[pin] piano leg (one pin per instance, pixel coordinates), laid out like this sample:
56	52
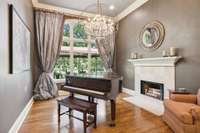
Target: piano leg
71	94
113	113
70	110
90	99
90	116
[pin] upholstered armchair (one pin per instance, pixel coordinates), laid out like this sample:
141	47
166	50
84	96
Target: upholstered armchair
182	112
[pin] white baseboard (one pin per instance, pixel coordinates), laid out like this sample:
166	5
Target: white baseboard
128	91
20	119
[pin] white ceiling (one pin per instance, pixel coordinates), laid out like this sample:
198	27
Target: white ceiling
90	5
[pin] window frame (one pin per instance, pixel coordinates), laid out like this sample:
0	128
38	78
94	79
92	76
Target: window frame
72	51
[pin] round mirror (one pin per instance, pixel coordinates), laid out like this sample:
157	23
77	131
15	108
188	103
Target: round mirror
152	35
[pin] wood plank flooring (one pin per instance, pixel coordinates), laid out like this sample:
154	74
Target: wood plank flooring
130	119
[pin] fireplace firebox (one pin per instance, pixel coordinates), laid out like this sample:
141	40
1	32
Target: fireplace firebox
152	89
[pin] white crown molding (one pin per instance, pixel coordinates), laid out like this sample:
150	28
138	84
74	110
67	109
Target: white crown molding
65	11
20	119
60	9
124	13
135	5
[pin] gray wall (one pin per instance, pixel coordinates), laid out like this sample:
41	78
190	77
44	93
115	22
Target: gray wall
182	23
16	89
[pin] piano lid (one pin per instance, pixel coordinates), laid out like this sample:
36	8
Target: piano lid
105	76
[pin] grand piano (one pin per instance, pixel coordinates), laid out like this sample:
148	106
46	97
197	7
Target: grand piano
105	86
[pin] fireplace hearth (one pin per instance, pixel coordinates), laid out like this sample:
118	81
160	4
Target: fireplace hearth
152	89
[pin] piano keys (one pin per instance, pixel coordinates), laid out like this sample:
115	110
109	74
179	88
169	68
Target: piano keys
106	87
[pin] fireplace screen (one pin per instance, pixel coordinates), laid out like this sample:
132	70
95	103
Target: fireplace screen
152	89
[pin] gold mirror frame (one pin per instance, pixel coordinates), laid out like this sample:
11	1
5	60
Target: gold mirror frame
159	28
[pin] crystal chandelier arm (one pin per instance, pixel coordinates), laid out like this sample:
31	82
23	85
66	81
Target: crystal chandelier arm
98	7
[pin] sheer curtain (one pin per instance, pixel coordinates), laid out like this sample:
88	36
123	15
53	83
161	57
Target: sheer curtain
49	33
106	47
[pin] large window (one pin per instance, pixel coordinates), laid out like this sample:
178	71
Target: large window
79	53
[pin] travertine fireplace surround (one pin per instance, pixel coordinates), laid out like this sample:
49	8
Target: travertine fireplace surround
160	70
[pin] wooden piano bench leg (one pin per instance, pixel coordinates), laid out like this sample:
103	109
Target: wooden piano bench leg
90	115
85	122
95	118
70	112
72	94
58	113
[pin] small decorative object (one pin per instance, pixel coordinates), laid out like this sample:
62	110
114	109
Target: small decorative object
172	51
152	35
182	89
20	39
134	55
164	53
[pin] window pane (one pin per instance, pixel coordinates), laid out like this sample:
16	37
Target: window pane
62	67
96	65
80	44
80	64
66	30
66	44
93	45
79	31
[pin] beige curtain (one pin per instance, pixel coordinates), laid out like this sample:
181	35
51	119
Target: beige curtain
106	47
49	32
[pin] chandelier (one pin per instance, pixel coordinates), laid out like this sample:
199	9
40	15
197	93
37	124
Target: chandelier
99	26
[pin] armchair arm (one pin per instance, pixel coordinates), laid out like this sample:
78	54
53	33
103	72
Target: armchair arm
188	98
195	110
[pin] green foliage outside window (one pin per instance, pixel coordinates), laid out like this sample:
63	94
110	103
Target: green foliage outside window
62	67
80	44
81	65
93	45
66	44
66	30
96	65
79	31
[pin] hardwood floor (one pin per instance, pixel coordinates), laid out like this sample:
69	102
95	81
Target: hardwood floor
130	119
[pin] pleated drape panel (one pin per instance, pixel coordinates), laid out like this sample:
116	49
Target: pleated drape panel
106	47
49	33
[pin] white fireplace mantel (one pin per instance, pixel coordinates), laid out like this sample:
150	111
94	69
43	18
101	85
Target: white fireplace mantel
158	61
158	70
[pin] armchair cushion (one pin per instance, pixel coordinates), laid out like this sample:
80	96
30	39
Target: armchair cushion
184	98
182	111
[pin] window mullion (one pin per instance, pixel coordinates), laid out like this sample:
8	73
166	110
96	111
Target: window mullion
71	48
89	54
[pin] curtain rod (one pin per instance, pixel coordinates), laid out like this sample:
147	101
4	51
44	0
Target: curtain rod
66	15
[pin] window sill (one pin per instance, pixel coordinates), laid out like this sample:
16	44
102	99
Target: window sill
58	81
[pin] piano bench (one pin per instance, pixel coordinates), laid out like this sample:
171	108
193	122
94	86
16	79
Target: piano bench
86	107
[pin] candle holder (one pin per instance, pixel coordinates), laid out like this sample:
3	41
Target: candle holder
172	51
164	53
134	55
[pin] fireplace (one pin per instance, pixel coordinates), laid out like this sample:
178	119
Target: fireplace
152	89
